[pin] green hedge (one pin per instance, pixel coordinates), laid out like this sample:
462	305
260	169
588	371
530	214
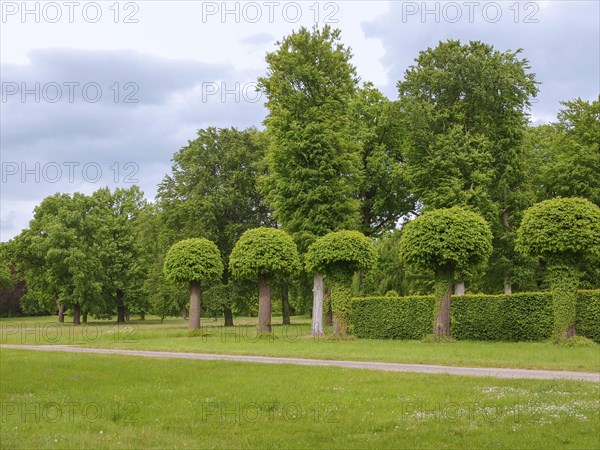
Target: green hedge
518	317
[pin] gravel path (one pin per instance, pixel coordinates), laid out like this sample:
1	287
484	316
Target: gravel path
390	367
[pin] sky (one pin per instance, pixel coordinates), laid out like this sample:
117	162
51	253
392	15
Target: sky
104	93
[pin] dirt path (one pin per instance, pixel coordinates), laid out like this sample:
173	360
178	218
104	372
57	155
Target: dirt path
390	367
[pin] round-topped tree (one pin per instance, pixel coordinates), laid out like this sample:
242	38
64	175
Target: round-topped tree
452	242
564	232
264	254
193	261
339	255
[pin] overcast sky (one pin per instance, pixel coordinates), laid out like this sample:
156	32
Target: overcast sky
103	93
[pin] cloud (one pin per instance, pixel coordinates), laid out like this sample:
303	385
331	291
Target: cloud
80	145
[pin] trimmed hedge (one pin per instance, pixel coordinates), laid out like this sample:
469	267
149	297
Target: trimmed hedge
524	316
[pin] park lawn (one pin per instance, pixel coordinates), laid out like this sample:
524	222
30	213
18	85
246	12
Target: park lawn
52	400
295	341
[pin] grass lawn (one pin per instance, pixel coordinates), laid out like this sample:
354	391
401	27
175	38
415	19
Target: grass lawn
294	341
54	400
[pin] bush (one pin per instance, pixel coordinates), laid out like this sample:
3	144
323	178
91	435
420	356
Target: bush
524	316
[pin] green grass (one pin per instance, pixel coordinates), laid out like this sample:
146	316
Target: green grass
62	401
295	341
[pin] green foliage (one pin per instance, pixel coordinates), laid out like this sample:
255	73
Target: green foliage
266	252
560	229
566	155
6	278
312	160
391	318
391	294
450	241
524	316
195	259
383	192
212	189
341	253
588	314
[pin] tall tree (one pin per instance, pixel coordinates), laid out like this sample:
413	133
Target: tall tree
212	191
383	192
465	111
118	247
313	162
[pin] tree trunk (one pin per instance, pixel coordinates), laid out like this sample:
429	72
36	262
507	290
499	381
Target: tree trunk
317	313
120	307
61	313
459	288
264	306
142	315
195	303
184	312
228	313
127	316
84	317
564	281
76	314
285	304
507	286
441	325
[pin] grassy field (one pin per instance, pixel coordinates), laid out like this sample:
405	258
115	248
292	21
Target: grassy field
96	401
294	341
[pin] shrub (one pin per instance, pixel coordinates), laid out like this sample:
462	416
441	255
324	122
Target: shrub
524	316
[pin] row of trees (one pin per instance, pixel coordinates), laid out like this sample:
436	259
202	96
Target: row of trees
334	155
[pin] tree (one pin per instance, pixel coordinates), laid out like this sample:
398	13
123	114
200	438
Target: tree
313	162
193	261
383	192
58	258
212	192
339	255
264	254
7	281
464	109
567	153
564	232
118	247
452	242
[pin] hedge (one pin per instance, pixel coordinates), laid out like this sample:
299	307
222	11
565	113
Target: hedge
517	317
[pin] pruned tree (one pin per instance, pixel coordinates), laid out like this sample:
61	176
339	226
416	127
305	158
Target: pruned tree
452	242
264	254
194	261
339	255
564	232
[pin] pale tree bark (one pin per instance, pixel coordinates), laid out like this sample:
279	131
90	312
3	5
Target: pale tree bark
195	303
76	314
507	286
264	306
285	304
317	315
459	288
